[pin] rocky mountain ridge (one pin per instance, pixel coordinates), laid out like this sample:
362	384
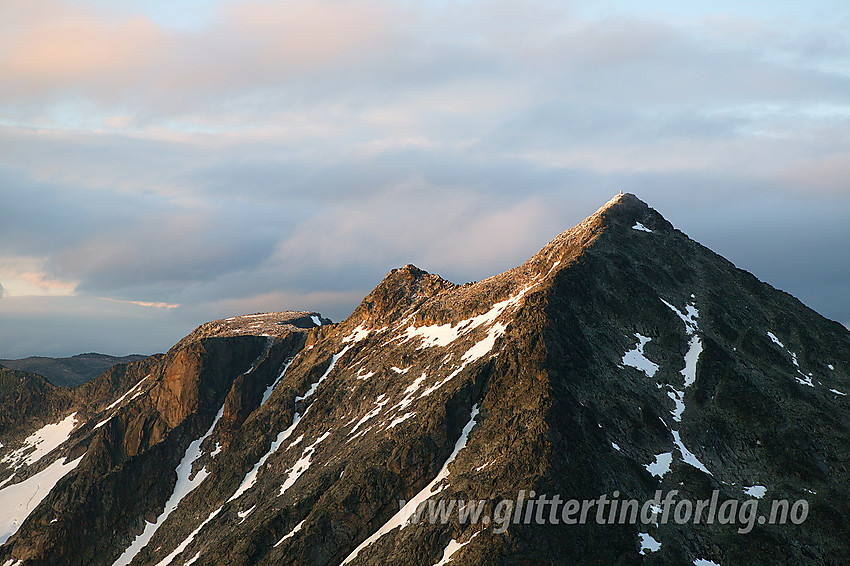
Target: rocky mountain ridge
622	358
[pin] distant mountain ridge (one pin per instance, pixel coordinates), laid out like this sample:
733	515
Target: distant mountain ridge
622	359
72	371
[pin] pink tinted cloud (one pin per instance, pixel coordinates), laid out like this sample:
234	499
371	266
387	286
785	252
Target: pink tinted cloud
70	47
56	48
150	304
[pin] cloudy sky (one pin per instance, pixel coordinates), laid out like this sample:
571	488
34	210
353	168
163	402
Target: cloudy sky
168	162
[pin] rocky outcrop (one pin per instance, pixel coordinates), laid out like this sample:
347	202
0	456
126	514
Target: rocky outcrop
28	400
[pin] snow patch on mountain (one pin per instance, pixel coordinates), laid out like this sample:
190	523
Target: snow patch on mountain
408	393
184	486
103	422
775	340
291	533
635	358
661	464
251	477
444	334
331	367
687	455
678	398
452	548
691	358
483	346
364	374
379	404
400	519
648	544
689	375
296	442
806	379
42	442
19	500
359	333
270	389
133	389
302	464
188	540
479	350
7	480
756	491
401	419
689	316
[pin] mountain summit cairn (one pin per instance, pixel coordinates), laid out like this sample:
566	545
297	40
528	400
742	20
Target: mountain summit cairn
585	407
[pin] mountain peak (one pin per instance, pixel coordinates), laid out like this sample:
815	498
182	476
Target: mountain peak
626	208
623	215
624	200
400	289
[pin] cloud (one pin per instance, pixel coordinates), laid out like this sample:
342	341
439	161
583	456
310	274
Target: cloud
57	45
458	231
278	155
28	276
155	305
112	59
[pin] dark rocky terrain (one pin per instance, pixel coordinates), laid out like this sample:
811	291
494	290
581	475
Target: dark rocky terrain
623	357
70	372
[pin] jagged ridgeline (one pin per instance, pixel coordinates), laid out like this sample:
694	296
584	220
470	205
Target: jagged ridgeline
623	361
